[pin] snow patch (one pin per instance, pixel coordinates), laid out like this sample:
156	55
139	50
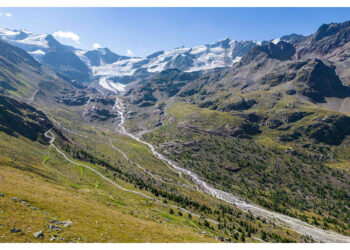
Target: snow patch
82	57
110	85
37	52
275	41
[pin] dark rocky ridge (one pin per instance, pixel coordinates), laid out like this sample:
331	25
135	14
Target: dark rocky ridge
20	118
163	85
104	55
312	77
326	39
281	51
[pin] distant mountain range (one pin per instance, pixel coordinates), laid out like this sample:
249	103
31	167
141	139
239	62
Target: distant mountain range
80	65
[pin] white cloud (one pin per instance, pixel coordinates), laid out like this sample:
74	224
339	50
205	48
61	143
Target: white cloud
8	14
96	46
67	35
129	52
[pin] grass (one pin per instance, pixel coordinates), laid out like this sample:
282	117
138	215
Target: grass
96	209
297	185
100	211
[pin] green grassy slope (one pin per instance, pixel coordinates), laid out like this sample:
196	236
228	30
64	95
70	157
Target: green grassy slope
298	177
34	173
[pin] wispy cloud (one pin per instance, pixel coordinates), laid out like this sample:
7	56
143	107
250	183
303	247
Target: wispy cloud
7	14
67	35
96	46
129	52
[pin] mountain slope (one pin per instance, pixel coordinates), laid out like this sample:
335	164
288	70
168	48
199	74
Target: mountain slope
47	50
18	118
99	57
261	129
40	191
24	78
20	74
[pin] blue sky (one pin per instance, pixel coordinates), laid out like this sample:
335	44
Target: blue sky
142	31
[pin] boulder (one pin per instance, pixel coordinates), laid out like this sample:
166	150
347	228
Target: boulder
15	230
291	92
15	199
66	223
296	116
274	123
39	234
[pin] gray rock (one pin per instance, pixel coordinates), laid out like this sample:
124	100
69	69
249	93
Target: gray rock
291	92
66	223
53	227
2	195
25	203
242	104
39	234
15	199
274	123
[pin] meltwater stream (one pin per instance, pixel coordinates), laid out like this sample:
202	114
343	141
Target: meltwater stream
297	225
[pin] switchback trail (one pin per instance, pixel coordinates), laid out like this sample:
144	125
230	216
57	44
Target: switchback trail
122	153
48	134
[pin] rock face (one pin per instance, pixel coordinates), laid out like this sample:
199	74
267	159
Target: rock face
326	39
312	78
281	51
295	116
75	99
102	56
293	38
331	130
163	85
274	123
65	61
242	104
320	81
20	118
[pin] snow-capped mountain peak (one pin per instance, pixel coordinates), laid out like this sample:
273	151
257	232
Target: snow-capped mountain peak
31	42
99	57
223	53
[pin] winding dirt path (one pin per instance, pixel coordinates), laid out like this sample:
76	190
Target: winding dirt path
48	134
